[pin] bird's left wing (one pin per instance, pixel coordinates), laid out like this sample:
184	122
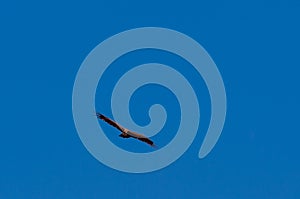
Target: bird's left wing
109	121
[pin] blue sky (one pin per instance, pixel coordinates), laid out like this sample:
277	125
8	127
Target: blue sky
255	45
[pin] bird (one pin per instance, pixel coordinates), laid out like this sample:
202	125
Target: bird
125	132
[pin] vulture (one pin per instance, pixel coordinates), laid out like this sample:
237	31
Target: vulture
125	132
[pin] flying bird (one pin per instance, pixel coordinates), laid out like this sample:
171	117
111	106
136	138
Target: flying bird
125	132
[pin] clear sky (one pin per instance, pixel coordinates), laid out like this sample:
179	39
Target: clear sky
255	46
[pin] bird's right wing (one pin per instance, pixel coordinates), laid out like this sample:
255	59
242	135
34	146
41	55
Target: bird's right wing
147	140
140	137
109	121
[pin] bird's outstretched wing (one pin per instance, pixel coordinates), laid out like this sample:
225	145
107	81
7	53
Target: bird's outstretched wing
109	121
148	141
140	137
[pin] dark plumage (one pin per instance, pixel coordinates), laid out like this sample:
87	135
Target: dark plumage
125	132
